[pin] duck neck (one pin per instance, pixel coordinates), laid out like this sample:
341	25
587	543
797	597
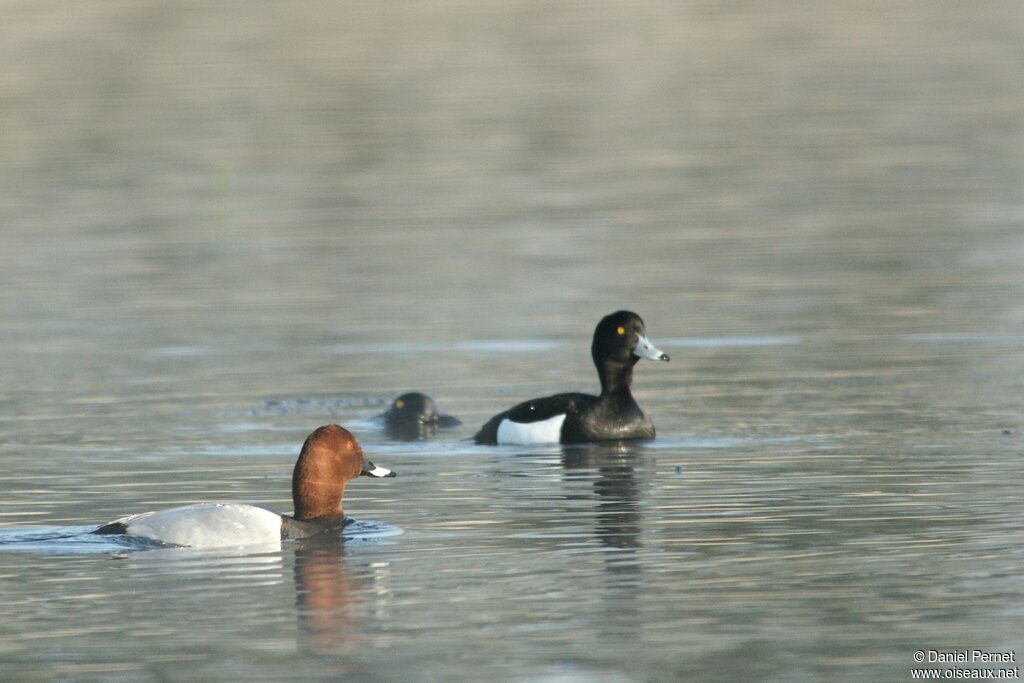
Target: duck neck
616	377
315	500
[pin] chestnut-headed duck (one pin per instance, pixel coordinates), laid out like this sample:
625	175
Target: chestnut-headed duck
413	417
619	342
330	458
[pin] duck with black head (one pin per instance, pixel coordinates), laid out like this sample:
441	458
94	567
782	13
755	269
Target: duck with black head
620	341
413	416
330	458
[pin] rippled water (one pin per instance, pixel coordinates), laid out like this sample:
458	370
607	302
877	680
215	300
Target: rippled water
220	229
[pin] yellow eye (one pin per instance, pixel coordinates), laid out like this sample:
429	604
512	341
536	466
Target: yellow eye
399	404
621	330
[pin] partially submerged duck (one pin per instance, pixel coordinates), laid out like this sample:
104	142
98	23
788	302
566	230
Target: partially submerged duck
413	416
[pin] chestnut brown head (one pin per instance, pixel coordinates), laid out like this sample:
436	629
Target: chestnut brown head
330	458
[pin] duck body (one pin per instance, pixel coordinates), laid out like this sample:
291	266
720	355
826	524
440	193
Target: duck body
215	525
204	525
619	343
330	458
568	418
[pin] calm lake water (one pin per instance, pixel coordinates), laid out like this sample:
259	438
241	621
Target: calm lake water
222	226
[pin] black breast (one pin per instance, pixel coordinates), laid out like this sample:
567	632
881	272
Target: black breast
609	418
292	528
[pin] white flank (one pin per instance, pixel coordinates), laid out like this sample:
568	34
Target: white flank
209	525
530	433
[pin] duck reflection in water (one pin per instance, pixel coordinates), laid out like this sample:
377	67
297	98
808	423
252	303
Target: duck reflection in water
617	487
413	417
618	520
327	598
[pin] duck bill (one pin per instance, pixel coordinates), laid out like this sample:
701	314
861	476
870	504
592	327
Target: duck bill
371	470
645	349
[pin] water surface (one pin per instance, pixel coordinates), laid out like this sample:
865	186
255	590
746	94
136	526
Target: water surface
223	228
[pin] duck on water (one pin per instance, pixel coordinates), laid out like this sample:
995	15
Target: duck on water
620	341
330	458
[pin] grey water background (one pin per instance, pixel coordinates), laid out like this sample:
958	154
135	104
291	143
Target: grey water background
224	224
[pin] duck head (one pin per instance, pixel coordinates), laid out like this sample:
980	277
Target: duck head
620	340
330	458
411	416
